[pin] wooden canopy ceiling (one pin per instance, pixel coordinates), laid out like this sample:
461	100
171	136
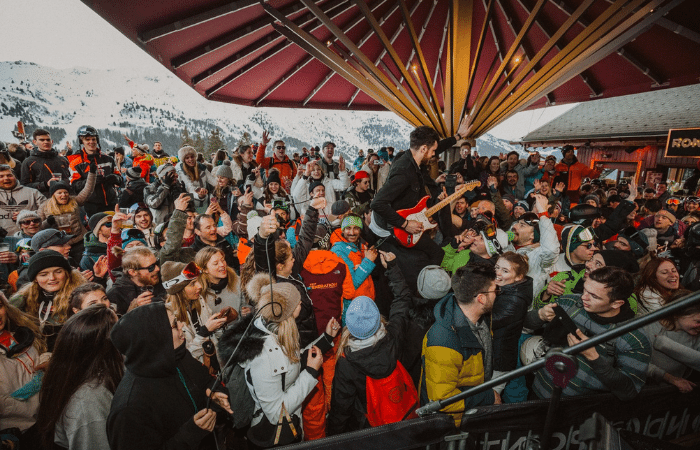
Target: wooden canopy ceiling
428	61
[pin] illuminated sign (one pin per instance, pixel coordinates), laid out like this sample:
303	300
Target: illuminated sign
683	143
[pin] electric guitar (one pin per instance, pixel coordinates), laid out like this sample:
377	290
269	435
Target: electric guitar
422	214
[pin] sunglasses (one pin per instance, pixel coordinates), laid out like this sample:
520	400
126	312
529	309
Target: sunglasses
189	273
590	245
31	221
281	147
150	268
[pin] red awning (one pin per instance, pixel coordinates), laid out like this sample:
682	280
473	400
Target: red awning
278	53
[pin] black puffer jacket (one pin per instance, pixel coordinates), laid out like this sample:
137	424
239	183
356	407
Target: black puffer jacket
162	389
38	168
124	291
306	321
507	319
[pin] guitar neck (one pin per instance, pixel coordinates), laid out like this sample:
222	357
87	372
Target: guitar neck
437	207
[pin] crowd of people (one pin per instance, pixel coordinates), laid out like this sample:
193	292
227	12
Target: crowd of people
257	299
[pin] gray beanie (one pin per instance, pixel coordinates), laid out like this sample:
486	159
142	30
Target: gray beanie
433	282
26	214
224	170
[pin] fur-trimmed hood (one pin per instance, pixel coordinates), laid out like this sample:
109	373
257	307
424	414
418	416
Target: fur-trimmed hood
251	346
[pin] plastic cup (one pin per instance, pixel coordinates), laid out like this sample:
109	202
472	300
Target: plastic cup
128	223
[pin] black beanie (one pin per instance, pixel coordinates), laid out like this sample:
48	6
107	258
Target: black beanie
95	219
313	185
273	177
620	258
56	185
45	259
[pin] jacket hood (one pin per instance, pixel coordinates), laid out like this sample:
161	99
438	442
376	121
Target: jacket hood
46	155
251	346
90	241
144	337
377	361
321	262
445	317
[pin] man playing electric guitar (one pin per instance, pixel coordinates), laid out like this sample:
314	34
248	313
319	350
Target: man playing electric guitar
407	183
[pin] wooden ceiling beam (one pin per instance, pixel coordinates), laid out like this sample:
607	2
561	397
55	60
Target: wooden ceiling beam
307	20
198	19
426	107
306	60
362	41
679	29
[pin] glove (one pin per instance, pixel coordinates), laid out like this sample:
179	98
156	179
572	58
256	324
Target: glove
169	178
51	221
93	167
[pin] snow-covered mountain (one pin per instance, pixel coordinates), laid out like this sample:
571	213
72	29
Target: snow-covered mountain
149	108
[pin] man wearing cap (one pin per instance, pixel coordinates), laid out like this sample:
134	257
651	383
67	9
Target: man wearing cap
95	241
667	227
358	258
359	196
618	366
457	350
330	167
134	187
14	198
44	164
160	195
637	243
534	236
139	283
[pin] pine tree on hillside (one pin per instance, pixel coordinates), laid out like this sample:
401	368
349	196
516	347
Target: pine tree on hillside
198	143
215	142
246	139
185	138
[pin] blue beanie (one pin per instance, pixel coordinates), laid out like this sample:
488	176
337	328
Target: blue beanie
131	235
362	318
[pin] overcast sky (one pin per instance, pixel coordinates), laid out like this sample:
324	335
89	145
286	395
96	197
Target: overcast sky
66	33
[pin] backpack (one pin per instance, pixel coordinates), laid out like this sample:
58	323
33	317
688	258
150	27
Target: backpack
391	399
239	395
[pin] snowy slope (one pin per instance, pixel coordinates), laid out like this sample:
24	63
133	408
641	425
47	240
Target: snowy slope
130	102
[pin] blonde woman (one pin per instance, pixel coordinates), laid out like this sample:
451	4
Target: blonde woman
220	284
18	366
183	287
65	209
273	355
47	295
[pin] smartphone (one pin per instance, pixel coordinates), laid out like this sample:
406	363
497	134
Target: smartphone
214	199
450	183
146	289
248	189
563	318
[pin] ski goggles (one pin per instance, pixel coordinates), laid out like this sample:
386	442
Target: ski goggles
588	234
673	201
189	273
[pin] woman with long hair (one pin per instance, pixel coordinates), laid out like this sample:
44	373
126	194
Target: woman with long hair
272	357
83	373
273	191
21	347
276	256
493	169
47	295
189	307
513	299
675	346
244	164
370	349
65	209
658	281
226	190
220	284
197	178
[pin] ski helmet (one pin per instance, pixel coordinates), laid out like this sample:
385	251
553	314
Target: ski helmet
87	130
